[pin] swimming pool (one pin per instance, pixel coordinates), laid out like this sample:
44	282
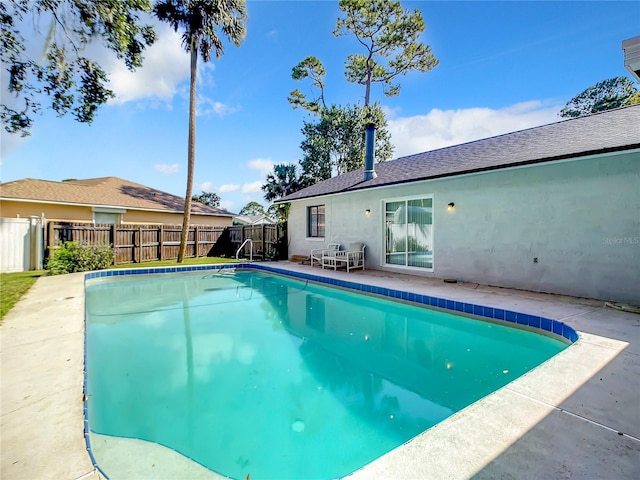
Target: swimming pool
293	382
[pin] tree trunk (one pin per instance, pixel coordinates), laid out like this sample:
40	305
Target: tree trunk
191	158
367	94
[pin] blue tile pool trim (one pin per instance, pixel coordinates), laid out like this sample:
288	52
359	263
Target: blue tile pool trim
517	318
546	325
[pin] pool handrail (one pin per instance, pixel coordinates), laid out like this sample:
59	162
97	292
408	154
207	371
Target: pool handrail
250	250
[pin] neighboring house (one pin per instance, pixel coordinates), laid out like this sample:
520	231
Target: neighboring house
102	200
252	220
554	208
631	48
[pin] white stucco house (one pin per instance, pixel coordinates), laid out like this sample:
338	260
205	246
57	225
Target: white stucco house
554	208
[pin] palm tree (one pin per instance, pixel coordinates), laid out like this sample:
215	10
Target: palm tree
200	21
281	182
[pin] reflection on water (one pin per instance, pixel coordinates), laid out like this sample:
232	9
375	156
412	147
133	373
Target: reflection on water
258	374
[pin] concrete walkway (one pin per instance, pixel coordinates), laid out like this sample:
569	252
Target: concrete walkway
42	357
576	416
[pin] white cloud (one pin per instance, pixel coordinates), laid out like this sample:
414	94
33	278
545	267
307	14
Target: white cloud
263	165
205	73
167	169
163	75
227	205
165	63
253	187
229	187
255	197
204	187
165	66
210	187
9	142
389	112
442	128
207	106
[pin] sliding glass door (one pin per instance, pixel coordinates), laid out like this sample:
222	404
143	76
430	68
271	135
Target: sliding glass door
409	232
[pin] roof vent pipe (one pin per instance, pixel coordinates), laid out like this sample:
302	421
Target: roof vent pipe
369	140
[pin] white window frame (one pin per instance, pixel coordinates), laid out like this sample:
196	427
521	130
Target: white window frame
383	242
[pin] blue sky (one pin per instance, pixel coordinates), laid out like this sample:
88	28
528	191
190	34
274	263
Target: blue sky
504	66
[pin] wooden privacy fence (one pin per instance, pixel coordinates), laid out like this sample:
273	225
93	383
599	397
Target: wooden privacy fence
146	243
263	237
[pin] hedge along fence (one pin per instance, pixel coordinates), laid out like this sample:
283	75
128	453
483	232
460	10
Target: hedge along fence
146	243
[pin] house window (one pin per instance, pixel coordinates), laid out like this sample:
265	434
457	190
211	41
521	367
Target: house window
409	232
108	215
105	217
315	221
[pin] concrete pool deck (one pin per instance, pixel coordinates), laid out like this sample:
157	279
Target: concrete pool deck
577	415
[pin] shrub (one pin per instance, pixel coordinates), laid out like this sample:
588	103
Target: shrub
73	257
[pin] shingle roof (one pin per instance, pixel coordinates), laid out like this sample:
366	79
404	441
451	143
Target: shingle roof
105	191
252	219
610	131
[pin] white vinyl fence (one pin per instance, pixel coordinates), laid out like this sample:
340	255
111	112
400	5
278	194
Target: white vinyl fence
21	244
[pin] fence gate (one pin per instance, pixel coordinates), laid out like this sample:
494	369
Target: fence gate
21	244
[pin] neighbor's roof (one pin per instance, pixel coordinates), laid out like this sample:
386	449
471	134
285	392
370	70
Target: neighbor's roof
252	219
615	130
101	192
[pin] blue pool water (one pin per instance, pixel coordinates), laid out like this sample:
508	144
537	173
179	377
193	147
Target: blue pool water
250	373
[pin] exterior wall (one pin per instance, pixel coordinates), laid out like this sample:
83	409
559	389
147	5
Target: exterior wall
63	213
141	217
73	213
580	219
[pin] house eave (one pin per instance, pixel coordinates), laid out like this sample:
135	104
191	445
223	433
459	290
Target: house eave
631	49
560	158
107	206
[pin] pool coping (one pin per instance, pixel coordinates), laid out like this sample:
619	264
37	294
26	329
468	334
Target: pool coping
537	324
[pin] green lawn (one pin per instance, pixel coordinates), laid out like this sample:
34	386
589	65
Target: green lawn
174	263
13	286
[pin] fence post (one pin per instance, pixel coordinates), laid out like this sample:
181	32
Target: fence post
160	241
35	243
112	242
196	242
50	235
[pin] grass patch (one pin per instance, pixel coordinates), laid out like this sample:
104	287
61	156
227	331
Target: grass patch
13	286
174	263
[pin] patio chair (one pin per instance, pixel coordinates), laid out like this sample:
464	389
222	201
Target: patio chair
318	254
351	259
